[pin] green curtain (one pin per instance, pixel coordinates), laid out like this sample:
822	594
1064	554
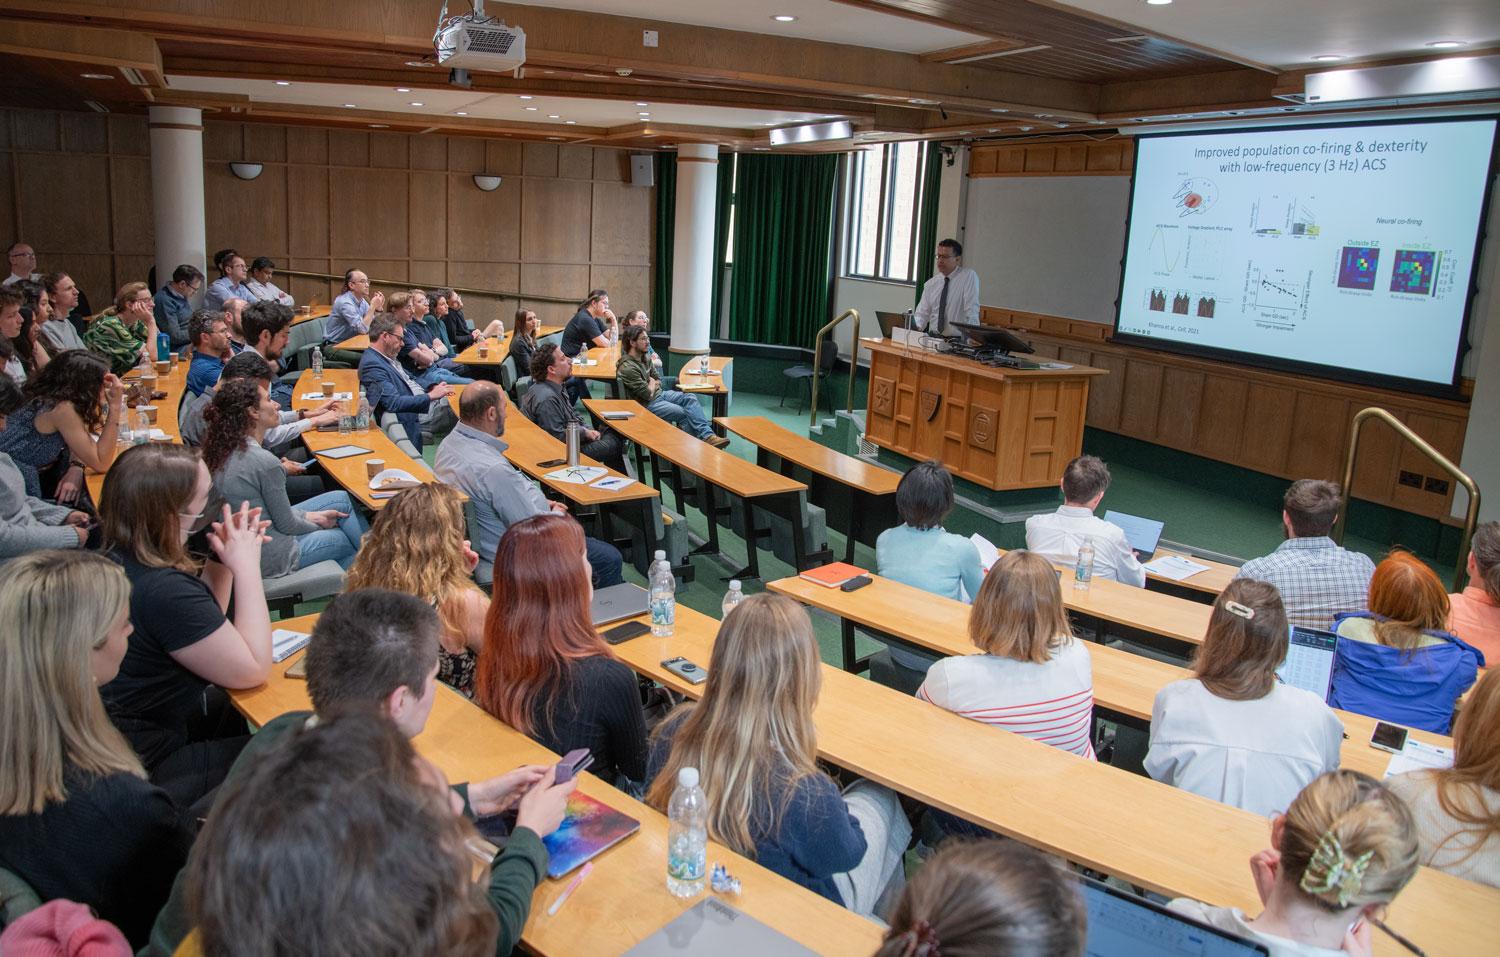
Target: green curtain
932	183
666	237
723	202
783	234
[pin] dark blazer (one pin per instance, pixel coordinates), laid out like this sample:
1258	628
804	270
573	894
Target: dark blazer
388	392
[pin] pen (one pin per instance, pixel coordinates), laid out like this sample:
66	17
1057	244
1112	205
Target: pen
568	891
1380	924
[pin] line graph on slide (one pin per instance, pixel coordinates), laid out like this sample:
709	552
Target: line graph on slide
1165	250
1275	293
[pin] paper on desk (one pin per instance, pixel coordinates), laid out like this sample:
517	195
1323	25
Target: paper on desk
343	396
585	362
312	396
614	483
1418	755
157	435
577	474
988	553
1175	567
285	643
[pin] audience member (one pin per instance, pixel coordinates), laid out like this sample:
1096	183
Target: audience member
472	459
234	313
1475	611
1316	578
208	331
494	330
640	382
78	819
523	340
167	699
993	898
400	305
1395	661
262	289
281	440
417	547
589	326
548	405
754	743
27	347
1233	732
127	335
1341	853
267	327
326	528
638	317
920	553
73	398
1058	536
28	524
390	389
1034	677
544	669
365	847
231	281
448	306
348	316
423	352
173	305
61	329
22	264
11	321
63	927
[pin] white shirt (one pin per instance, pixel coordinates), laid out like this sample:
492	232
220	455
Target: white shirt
1256	755
13	278
963	300
268	291
1233	920
1057	538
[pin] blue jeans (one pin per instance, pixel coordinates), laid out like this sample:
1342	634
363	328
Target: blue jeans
436	373
606	561
282	393
683	411
331	544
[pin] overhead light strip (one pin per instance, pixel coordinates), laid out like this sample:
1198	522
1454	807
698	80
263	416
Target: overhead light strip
998	53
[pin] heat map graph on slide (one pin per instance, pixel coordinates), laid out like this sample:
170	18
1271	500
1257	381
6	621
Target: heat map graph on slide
1357	267
1415	271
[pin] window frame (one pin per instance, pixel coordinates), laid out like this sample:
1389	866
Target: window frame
886	213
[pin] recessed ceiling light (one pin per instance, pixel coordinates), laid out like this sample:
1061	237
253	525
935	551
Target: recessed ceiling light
403	89
348	106
417	103
283	82
643	104
571	122
967	133
109	76
419	63
1061	125
460	113
1446	44
524	96
1327	58
997	109
784	18
762	149
1025	129
554	137
553	116
1158	3
530	109
379	126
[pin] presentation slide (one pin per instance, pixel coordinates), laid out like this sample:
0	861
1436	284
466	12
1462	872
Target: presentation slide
1348	247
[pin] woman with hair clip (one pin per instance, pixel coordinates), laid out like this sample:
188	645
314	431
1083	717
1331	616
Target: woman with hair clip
754	744
1458	808
544	670
70	400
1396	661
990	898
325	527
167	699
1475	611
78	818
1342	851
417	546
1233	732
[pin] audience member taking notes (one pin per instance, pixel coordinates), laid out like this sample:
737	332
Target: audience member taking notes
1475	614
1059	536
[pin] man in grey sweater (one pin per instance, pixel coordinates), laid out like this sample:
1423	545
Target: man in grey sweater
29	524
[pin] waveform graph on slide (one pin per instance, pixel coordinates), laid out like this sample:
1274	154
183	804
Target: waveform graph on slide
1165	250
1357	267
1415	271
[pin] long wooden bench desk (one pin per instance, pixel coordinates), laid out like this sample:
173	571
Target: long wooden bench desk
717	470
1125	684
626	899
174	384
496	350
1150	834
605	364
314	312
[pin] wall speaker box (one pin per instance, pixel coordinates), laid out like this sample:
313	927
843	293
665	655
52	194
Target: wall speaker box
642	169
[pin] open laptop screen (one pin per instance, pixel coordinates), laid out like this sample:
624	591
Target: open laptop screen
1124	925
1143	534
1309	660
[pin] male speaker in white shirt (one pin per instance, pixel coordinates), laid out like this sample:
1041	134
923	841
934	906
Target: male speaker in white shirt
951	295
1058	536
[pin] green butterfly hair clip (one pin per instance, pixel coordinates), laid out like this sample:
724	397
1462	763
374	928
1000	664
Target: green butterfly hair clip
1332	870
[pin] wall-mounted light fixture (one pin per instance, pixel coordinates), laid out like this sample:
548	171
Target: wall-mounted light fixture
487	183
246	170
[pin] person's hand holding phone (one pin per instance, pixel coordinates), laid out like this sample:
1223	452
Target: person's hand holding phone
543	807
500	792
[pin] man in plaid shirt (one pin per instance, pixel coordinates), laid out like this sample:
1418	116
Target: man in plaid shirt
1317	579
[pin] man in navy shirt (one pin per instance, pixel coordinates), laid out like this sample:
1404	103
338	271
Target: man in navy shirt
173	306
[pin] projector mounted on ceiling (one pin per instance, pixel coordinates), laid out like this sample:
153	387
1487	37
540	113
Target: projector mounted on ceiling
478	42
1432	81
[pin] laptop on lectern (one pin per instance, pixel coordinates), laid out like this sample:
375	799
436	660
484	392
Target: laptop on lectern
889	321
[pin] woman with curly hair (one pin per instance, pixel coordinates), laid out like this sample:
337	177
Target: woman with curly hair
326	527
417	546
74	397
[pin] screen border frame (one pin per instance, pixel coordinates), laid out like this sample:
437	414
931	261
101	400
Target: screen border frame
1450	390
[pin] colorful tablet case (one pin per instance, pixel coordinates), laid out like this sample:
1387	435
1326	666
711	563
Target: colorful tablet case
588	829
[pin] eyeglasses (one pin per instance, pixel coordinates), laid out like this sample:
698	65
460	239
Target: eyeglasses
23	255
946	256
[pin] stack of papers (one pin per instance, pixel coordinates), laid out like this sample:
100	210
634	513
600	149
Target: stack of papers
988	553
578	474
286	643
614	483
1416	756
1175	567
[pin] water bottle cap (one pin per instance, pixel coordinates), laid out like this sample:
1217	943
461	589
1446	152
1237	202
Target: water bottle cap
687	778
734	584
660	556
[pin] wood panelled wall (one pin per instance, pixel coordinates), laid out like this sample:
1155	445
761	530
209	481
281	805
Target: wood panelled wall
402	207
1114	157
1286	425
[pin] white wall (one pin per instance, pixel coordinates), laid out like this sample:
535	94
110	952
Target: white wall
868	296
1481	455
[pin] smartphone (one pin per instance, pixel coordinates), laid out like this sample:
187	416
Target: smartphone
552	463
623	633
686	669
855	584
573	764
1388	737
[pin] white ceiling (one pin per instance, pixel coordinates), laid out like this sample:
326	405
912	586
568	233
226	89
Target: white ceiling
493	106
1289	33
821	20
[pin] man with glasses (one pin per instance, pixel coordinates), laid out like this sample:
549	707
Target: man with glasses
173	306
349	317
231	285
128	335
22	264
390	389
209	334
951	295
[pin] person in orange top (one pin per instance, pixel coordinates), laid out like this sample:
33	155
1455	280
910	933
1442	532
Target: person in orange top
1476	610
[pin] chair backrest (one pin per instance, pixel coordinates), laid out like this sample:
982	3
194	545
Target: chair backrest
829	357
508	374
523	385
301	339
17	898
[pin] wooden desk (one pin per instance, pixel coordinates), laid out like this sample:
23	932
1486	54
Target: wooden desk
626	899
716	387
1000	428
1124	684
1150	834
498	350
317	312
1204	586
717	470
858	497
174	384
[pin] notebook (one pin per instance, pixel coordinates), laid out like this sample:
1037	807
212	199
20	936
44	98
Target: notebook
833	574
589	828
617	602
713	927
1124	925
285	643
1309	660
1143	534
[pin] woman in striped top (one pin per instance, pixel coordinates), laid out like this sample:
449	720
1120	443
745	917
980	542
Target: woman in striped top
1034	677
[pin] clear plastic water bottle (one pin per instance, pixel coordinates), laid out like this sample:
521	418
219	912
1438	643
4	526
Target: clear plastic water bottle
362	414
687	836
1083	572
346	423
663	596
317	361
142	433
124	434
732	597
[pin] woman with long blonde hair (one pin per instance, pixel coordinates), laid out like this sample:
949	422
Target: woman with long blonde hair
1458	808
78	818
754	744
417	546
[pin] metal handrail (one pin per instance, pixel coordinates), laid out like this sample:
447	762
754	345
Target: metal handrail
405	284
1460	574
818	360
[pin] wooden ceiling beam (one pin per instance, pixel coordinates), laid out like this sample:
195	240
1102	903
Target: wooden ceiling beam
973	51
89	46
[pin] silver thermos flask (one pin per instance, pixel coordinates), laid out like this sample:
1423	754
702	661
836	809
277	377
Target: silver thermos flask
573	437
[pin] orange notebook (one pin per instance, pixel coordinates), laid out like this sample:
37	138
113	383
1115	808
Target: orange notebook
833	575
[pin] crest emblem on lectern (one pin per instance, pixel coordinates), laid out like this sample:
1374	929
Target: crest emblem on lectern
930	403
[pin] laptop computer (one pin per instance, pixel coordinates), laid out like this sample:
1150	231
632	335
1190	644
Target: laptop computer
889	321
713	927
1124	925
1309	660
617	602
1143	534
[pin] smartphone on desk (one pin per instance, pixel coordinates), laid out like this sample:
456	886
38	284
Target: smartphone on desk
686	670
1388	737
552	464
620	634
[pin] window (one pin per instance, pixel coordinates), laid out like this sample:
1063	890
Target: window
881	206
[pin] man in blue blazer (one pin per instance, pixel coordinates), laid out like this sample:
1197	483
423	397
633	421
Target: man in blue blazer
390	389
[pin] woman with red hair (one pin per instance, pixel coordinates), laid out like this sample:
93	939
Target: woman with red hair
544	670
1395	661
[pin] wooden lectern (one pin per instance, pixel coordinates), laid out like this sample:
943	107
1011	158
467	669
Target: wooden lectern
997	427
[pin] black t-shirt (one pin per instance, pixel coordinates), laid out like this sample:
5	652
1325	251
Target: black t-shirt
580	333
153	697
597	705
